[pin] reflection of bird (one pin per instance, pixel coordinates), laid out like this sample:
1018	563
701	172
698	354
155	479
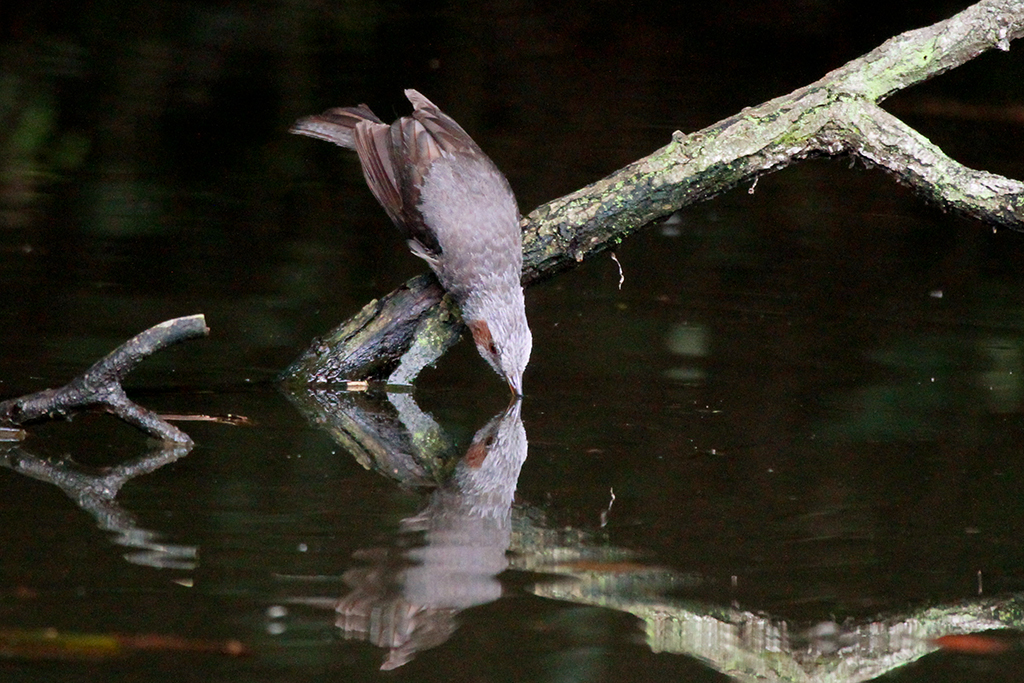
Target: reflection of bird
455	208
448	558
468	525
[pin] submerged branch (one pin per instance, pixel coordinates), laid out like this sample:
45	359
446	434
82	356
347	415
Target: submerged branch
100	385
839	114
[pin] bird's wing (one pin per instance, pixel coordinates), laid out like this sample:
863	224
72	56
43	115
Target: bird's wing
440	127
396	158
373	143
359	128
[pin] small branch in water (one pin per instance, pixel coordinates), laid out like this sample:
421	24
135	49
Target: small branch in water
49	644
100	385
227	419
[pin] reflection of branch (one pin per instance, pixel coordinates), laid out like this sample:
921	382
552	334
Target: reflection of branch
100	385
392	437
838	114
94	491
745	645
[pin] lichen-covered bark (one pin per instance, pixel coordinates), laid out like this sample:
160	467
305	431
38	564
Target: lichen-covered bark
839	114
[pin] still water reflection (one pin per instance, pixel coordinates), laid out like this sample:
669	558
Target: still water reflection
406	597
94	490
446	557
746	498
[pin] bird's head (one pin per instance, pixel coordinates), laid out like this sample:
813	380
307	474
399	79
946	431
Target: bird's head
503	338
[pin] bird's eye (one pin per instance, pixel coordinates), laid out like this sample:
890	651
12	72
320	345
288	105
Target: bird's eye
492	348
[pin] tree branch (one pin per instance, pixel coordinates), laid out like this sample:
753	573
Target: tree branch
100	385
838	114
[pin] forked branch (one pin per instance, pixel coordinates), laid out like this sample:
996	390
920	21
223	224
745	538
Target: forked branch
100	385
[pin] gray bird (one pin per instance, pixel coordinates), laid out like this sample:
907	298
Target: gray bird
456	210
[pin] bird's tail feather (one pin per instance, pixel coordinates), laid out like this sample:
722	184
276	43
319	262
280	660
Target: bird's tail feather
335	125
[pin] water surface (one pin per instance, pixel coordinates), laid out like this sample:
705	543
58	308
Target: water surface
789	439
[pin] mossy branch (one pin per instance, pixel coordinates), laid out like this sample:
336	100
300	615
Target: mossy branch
838	114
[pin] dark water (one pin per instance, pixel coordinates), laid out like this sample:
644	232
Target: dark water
789	443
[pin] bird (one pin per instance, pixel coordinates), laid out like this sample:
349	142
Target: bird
456	210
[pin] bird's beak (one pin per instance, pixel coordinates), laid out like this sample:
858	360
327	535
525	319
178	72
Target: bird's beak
517	392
